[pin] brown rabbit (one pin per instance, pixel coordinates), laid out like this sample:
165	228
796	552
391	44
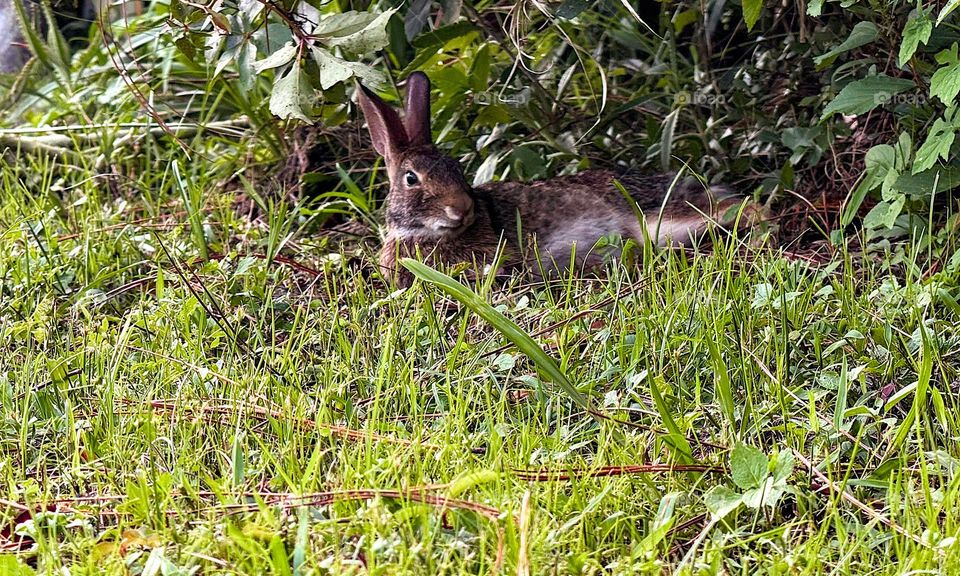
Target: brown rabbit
433	212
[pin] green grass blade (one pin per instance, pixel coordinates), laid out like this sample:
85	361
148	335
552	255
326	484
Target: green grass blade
724	390
675	439
920	395
841	404
544	363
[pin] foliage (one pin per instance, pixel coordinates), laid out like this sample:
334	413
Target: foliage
768	98
197	378
166	413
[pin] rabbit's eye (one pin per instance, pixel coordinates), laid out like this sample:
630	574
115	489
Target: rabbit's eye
410	178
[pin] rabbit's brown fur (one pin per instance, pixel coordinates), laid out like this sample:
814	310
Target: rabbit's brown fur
433	213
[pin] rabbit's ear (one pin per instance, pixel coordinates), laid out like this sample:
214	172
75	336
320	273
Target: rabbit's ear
386	129
416	116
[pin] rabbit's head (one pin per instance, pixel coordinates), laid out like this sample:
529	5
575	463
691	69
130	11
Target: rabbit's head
429	196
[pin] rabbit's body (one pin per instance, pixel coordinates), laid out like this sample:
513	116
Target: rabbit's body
433	213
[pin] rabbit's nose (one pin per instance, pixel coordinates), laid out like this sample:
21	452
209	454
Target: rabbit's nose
454	214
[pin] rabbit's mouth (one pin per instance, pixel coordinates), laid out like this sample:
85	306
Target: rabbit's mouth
451	227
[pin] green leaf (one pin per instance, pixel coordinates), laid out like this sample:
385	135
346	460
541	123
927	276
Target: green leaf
333	70
862	33
721	501
10	565
933	181
884	214
815	8
945	83
783	466
685	18
344	24
766	495
570	9
751	12
936	146
545	364
748	466
947	9
370	38
245	72
916	32
864	95
292	95
441	36
879	161
282	56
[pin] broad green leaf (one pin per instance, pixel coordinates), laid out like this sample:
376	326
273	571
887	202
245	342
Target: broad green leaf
768	494
751	12
721	501
864	95
292	96
486	170
783	466
370	38
342	25
762	295
10	565
279	58
545	364
935	180
936	146
945	83
441	36
815	8
748	466
862	33
333	70
879	161
244	64
916	32
685	18
884	214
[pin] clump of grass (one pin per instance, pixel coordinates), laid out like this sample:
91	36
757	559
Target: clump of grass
272	406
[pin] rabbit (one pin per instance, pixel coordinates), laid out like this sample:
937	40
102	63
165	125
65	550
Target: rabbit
432	212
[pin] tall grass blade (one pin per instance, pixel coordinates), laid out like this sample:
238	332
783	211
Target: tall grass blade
675	439
920	395
544	363
724	389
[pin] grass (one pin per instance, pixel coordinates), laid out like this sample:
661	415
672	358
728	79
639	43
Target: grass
274	408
